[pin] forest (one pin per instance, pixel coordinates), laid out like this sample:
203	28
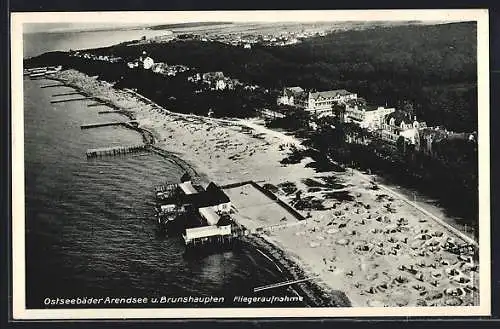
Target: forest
433	67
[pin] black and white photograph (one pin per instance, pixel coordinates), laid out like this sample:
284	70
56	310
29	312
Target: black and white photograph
250	164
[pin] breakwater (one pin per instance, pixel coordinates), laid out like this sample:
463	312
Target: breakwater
107	124
115	150
314	292
70	100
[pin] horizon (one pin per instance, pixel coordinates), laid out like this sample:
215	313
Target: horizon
49	27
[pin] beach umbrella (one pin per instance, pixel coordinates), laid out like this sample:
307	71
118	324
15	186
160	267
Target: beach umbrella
453	301
425	236
342	242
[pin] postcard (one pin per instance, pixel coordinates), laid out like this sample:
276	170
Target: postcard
235	164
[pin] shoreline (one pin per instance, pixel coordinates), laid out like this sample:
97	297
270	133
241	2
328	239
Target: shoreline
315	294
315	244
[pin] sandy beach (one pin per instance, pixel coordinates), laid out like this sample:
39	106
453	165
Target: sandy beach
358	238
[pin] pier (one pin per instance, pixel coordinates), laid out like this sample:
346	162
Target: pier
115	150
70	100
132	124
281	284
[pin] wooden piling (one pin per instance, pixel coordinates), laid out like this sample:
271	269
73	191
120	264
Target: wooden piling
105	124
70	100
67	94
54	85
114	150
95	104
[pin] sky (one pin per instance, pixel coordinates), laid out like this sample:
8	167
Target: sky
65	27
65	21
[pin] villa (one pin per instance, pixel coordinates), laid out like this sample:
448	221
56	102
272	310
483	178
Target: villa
321	102
366	116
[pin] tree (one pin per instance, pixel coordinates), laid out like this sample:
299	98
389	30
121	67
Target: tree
401	144
339	111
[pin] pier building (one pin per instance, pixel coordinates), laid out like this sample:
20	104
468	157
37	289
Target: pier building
200	215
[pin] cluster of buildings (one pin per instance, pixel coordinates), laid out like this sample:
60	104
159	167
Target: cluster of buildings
388	124
207	211
143	62
246	40
169	70
215	80
319	103
102	58
147	63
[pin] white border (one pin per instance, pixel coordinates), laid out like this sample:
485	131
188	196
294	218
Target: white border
18	231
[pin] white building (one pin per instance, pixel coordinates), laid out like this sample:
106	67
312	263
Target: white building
398	124
220	84
290	95
205	232
148	63
369	117
132	65
322	101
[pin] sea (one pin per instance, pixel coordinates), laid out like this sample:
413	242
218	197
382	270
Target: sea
90	224
37	43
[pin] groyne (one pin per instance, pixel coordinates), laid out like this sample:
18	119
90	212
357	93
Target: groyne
70	100
114	150
107	124
315	293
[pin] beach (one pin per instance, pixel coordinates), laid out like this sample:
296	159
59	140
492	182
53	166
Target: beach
357	238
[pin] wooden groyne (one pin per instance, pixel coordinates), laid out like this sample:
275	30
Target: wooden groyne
112	111
281	284
95	104
115	150
129	124
54	85
67	94
70	100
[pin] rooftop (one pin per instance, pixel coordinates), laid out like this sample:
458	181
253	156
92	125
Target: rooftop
330	93
295	89
210	215
187	188
399	116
